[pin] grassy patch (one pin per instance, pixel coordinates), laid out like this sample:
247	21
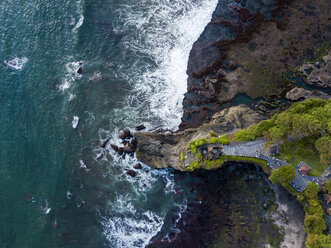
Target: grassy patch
301	150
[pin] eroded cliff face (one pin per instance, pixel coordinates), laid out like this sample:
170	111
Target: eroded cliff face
162	150
248	48
255	50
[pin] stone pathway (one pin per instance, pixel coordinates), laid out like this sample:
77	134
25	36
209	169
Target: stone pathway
256	149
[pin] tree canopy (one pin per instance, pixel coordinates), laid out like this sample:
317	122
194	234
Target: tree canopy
311	118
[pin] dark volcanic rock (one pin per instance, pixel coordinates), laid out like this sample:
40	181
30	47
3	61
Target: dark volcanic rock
131	173
125	134
137	166
133	143
114	147
248	48
141	127
104	143
80	70
128	149
222	211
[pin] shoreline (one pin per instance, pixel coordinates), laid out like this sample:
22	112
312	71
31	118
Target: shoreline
215	81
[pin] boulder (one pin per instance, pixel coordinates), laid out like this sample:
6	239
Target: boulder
104	143
319	73
297	94
131	173
80	70
114	147
140	127
128	149
120	150
125	134
133	143
137	166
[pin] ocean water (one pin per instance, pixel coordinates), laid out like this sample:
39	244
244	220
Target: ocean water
58	188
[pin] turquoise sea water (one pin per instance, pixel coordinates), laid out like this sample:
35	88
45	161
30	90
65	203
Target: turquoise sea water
57	187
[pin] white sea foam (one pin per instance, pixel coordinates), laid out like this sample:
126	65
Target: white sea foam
132	231
75	121
79	23
164	31
16	63
70	76
45	207
80	10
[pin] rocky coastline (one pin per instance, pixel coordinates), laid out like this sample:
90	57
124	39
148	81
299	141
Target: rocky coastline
249	47
249	63
254	59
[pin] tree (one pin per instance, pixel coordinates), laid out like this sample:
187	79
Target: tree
284	175
311	192
315	223
327	186
318	241
323	145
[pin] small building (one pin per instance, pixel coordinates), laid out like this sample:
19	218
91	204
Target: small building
211	151
327	198
304	169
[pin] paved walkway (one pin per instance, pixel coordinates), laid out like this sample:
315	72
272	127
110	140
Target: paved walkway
256	149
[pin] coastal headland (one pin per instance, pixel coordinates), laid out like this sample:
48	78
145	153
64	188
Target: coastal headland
251	63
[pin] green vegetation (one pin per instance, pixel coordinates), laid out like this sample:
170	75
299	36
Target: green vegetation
222	139
327	186
315	221
212	134
321	51
217	163
193	145
318	241
302	150
182	156
284	175
303	131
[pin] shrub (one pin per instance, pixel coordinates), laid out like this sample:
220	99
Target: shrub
318	241
182	156
244	135
195	143
212	134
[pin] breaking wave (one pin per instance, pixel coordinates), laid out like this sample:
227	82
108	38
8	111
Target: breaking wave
159	35
162	33
16	63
